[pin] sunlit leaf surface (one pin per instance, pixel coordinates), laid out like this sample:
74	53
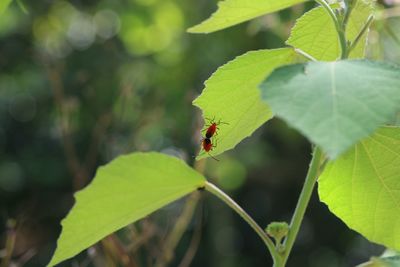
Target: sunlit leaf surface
232	97
315	32
362	187
232	12
123	191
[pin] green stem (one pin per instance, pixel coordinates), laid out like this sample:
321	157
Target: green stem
361	33
304	54
339	27
349	5
302	203
239	210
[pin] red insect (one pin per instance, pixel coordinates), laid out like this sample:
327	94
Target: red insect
211	130
208	146
213	127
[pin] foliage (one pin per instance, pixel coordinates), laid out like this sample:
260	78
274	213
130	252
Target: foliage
125	190
361	187
234	87
334	104
232	12
315	32
136	94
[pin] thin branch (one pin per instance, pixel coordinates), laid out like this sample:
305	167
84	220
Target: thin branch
338	25
349	5
304	54
239	210
361	33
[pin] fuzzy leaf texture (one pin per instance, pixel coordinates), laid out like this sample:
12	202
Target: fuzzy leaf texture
334	104
315	32
362	187
232	12
231	95
122	192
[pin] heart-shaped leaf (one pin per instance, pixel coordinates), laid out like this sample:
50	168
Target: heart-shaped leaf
334	104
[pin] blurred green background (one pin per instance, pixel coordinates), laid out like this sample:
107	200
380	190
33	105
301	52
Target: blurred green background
82	82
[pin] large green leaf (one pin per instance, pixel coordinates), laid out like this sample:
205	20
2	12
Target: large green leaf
315	32
231	95
362	187
334	104
3	5
125	190
232	12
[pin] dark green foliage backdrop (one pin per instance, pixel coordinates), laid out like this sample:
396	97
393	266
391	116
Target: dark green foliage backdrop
84	81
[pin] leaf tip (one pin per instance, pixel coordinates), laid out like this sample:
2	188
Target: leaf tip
195	29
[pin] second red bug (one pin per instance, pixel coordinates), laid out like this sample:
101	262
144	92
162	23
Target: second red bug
208	146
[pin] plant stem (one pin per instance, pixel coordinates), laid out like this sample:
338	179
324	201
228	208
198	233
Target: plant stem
303	201
361	33
339	28
349	5
304	54
239	210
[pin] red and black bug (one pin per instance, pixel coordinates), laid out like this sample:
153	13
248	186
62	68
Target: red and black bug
210	132
208	146
213	127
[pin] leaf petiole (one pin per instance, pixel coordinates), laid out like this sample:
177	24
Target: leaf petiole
242	213
361	33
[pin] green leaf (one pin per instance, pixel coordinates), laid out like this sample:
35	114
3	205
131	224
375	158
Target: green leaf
123	191
334	104
231	95
3	5
232	12
359	16
315	33
393	261
388	261
362	187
